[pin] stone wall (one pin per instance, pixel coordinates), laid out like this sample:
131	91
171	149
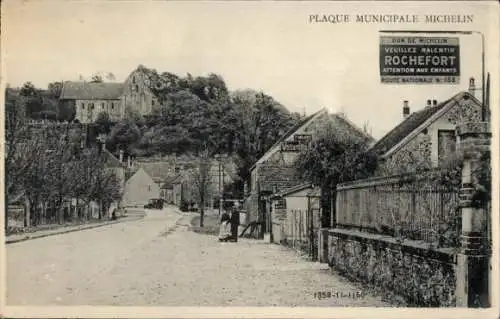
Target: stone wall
87	111
416	155
137	94
409	272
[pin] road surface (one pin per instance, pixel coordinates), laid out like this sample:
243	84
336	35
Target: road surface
158	261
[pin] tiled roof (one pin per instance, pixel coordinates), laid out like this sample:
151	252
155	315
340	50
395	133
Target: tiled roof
91	91
294	189
170	181
159	171
16	197
353	128
290	132
403	129
301	123
111	160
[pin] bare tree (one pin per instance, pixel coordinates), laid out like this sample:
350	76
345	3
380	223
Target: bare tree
24	151
202	182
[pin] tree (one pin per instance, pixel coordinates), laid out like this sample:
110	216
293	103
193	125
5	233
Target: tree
29	90
21	152
58	169
96	78
125	134
66	111
201	180
207	88
259	122
33	99
103	122
106	187
335	156
110	76
55	89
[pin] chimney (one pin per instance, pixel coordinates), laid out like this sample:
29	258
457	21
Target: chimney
434	102
121	156
472	86
406	109
428	103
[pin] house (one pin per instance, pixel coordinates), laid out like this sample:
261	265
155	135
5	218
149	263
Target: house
426	138
118	168
275	170
160	171
139	189
167	189
296	213
174	176
90	99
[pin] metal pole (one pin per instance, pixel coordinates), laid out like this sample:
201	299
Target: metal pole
483	83
220	196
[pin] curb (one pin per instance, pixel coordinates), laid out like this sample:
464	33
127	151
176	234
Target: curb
28	237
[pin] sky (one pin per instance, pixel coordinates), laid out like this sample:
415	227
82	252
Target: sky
268	46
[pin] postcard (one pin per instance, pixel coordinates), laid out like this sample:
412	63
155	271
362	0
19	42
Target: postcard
250	159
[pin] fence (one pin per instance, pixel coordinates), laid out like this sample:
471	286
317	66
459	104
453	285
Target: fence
301	231
50	215
416	206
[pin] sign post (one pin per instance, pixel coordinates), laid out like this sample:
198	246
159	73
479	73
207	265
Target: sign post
419	60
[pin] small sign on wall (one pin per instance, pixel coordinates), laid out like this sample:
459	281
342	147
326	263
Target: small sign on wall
281	204
297	144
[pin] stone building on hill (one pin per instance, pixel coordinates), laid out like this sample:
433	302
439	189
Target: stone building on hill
116	99
90	99
137	95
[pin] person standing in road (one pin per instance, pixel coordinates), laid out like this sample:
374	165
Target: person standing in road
235	221
225	228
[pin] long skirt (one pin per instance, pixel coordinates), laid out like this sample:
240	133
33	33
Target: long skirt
225	231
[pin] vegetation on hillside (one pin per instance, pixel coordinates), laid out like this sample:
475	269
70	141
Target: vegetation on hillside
194	115
198	114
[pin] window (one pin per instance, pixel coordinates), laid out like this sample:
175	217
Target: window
149	188
447	143
83	106
137	88
91	106
102	105
112	105
177	169
280	204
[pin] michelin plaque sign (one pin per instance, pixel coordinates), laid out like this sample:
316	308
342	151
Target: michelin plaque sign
425	60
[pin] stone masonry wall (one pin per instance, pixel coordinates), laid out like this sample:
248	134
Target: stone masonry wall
415	155
404	272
